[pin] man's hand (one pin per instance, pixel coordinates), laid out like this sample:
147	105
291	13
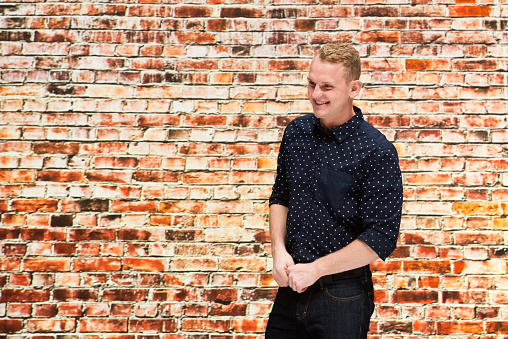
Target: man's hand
302	276
281	262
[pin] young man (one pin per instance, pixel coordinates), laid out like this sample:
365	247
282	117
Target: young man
335	208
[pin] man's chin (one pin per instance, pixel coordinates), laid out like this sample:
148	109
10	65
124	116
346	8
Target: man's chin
319	112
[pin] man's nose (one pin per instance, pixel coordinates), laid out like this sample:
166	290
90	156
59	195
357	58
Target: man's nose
316	93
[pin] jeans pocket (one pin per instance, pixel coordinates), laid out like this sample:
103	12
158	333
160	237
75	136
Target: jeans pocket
345	290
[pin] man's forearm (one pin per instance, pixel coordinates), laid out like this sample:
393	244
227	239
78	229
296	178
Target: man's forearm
354	255
277	222
281	258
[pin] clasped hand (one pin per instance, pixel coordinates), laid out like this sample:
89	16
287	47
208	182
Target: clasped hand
298	277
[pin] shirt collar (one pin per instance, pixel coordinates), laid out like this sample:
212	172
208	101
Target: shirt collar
343	131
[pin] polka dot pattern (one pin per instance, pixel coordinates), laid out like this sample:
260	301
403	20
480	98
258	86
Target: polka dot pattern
339	185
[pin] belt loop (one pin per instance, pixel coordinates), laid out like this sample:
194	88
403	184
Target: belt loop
320	283
367	273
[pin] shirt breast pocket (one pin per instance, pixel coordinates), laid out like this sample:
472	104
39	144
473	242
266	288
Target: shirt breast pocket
333	187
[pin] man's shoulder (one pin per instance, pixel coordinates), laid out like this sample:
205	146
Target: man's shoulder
304	123
375	135
303	120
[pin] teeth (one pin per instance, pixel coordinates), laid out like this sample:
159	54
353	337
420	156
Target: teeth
321	102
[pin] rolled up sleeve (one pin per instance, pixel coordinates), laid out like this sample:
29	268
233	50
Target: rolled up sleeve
280	189
381	204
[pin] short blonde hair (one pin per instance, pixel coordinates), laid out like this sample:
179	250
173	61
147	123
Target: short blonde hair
345	54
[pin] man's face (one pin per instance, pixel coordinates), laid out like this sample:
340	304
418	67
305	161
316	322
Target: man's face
331	96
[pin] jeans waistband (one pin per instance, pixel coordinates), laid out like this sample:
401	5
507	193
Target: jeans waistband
357	272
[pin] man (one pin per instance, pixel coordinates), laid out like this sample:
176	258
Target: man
335	208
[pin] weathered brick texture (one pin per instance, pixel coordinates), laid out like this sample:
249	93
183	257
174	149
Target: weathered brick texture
138	143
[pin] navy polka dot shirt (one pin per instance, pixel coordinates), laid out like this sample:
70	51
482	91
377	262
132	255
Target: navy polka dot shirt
339	185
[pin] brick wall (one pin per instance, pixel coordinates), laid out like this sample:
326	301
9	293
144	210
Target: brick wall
139	142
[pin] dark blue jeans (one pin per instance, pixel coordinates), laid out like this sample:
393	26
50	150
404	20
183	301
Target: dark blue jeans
336	310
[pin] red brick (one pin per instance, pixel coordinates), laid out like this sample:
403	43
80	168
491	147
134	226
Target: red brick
10	133
469	11
50	325
285	65
14	250
471	327
427	64
144	264
104	148
199	38
478	238
124	295
51	265
56	148
373	37
137	234
205	178
181	206
429	179
159	325
279	38
248	325
243	65
8	326
60	176
475	267
27	90
425	297
194	264
155	176
381	11
10	264
427	266
23	295
395	326
91	234
231	310
102	325
201	120
479	208
197	65
240	12
4	205
222	295
308	25
99	264
43	234
217	25
487	313
108	176
20	279
285	12
429	238
498	327
171	295
12	176
19	310
211	325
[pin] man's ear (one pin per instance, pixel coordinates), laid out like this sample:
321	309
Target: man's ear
356	87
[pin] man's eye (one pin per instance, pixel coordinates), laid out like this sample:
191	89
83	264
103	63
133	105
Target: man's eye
311	84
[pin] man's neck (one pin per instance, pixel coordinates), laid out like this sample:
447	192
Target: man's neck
326	124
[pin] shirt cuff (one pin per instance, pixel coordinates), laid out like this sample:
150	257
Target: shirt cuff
379	242
276	201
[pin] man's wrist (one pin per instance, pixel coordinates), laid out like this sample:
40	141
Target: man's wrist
278	249
319	267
